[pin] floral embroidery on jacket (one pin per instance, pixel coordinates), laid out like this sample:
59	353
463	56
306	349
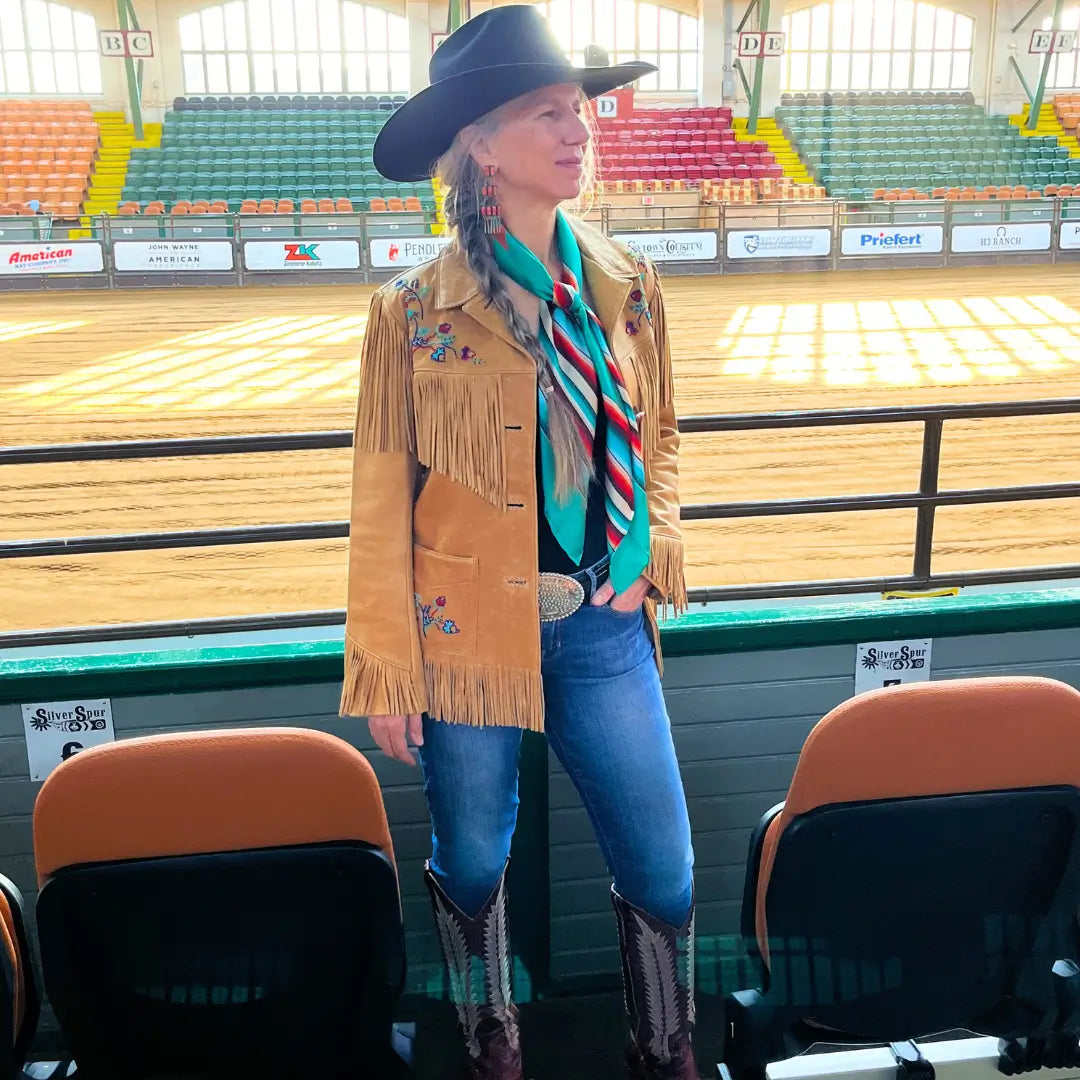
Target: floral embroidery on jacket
431	615
439	341
638	304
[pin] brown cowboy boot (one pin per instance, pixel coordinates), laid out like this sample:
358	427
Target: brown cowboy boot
658	986
477	955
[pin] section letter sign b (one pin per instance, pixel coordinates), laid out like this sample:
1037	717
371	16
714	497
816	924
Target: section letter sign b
111	43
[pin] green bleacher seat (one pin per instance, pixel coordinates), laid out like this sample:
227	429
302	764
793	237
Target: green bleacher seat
859	148
285	153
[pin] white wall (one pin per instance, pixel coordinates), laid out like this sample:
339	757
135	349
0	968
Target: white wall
993	81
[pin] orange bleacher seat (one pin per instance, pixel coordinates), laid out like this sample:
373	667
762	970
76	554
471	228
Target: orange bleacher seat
412	203
345	206
309	206
395	204
180	209
326	206
892	787
234	932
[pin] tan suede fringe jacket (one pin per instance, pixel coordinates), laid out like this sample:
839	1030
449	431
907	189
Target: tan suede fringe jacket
442	610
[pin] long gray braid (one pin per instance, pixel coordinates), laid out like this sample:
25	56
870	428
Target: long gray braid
463	179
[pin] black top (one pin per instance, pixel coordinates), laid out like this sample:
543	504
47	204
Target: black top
552	557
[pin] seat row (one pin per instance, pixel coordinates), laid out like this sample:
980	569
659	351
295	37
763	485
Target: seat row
921	875
385	102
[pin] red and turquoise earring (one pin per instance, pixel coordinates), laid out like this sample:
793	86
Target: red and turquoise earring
490	211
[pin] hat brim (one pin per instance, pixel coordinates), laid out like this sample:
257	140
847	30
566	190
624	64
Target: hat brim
423	129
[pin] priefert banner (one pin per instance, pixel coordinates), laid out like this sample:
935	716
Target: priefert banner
882	240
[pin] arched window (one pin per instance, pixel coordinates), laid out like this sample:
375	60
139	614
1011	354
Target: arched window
876	45
630	30
47	49
1065	67
294	46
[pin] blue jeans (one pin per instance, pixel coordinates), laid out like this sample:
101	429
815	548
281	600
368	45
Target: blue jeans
607	722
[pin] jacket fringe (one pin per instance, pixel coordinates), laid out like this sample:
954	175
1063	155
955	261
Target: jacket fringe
646	369
666	572
484	696
374	686
459	431
384	416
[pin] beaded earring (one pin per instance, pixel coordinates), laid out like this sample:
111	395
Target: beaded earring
490	211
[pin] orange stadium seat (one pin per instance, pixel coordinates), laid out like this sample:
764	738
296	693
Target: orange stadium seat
249	926
969	788
55	143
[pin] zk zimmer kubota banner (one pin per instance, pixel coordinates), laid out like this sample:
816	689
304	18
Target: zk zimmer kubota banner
302	255
67	258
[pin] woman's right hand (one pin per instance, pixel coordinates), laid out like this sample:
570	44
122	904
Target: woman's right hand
390	733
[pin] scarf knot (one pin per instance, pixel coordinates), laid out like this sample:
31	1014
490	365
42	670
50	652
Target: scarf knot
567	298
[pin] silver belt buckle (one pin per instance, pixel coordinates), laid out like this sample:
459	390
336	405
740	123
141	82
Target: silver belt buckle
560	596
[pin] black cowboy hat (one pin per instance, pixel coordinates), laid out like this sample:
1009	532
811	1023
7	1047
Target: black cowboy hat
501	54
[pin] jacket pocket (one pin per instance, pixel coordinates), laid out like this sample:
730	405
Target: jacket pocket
446	594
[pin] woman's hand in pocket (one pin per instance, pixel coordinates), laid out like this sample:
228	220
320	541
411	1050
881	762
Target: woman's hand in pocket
627	601
393	734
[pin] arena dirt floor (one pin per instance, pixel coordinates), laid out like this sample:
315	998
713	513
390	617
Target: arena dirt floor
187	362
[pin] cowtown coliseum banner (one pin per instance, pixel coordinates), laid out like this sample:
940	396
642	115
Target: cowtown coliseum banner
671	246
1001	239
403	252
779	243
174	256
302	254
62	258
892	240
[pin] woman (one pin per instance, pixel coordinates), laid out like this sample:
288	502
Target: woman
515	520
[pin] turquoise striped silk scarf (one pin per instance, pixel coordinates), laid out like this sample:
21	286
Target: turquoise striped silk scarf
587	375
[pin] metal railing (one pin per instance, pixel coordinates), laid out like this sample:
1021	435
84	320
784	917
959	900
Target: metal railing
925	501
232	249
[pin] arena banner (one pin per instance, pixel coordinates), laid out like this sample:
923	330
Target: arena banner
671	246
1070	236
880	240
1000	239
60	258
405	251
174	256
779	243
302	254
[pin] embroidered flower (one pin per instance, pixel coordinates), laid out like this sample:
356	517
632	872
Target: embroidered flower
440	341
631	327
638	304
430	615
